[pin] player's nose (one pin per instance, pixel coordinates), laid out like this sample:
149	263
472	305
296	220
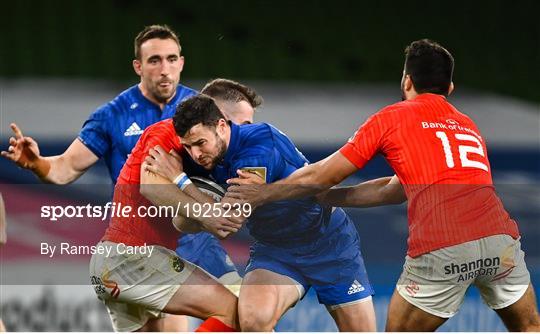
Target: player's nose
196	153
165	68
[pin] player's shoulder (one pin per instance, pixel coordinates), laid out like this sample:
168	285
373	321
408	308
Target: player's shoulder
395	108
161	133
129	99
254	131
253	139
262	132
162	128
126	100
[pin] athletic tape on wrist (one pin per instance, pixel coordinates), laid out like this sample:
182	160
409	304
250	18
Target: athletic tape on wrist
182	181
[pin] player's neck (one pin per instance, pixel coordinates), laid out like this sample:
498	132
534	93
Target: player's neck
151	98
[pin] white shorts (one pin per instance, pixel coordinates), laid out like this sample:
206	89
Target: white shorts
136	288
436	282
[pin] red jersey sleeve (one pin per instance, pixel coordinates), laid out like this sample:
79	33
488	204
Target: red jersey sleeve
365	142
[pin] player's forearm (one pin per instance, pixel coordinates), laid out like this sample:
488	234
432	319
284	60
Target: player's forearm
185	225
56	169
167	195
304	182
367	194
161	192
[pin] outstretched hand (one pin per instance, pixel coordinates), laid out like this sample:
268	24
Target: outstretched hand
24	151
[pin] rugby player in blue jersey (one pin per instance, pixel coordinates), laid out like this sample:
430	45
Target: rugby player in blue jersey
299	244
113	129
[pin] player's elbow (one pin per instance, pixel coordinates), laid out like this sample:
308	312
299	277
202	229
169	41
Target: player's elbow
393	198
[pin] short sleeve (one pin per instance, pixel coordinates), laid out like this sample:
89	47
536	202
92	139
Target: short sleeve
365	142
95	132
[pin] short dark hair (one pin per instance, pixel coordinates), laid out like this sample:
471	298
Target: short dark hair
430	66
232	91
196	109
154	31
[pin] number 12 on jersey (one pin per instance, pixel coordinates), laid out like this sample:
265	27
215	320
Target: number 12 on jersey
463	150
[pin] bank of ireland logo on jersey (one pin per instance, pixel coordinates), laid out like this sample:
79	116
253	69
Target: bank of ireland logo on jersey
355	288
133	130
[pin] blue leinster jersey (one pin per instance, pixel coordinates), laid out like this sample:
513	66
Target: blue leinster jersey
113	129
264	148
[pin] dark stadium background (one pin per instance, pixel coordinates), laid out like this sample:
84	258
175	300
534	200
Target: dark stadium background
82	49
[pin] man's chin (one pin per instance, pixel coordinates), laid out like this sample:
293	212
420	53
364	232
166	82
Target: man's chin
165	94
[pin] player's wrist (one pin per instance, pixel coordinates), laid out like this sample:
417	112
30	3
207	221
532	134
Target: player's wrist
41	168
182	181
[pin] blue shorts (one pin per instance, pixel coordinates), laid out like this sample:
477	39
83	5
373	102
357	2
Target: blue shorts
332	265
205	250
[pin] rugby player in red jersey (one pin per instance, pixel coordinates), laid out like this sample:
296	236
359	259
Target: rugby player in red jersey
459	232
137	289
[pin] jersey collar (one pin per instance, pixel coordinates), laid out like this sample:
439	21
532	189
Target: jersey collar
430	96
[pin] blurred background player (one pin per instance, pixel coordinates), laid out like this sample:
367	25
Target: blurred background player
297	242
459	232
112	131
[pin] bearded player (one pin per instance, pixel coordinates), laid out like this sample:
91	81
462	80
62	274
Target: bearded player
113	129
299	244
459	233
136	297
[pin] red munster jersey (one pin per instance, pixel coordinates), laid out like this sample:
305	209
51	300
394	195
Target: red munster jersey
441	160
136	230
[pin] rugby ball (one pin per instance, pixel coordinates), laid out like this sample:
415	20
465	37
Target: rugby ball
209	187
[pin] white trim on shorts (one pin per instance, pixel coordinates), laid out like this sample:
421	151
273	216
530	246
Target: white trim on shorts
427	310
299	288
510	302
338	306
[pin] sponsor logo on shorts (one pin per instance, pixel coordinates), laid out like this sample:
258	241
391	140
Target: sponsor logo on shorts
472	269
110	284
412	288
177	264
99	287
355	288
507	260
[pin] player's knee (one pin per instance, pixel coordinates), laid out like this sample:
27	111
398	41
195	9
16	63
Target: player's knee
256	319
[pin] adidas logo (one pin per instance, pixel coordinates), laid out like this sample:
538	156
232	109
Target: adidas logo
355	288
133	130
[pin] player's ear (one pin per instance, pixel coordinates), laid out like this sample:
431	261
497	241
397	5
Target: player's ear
450	88
221	125
407	83
137	66
181	62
